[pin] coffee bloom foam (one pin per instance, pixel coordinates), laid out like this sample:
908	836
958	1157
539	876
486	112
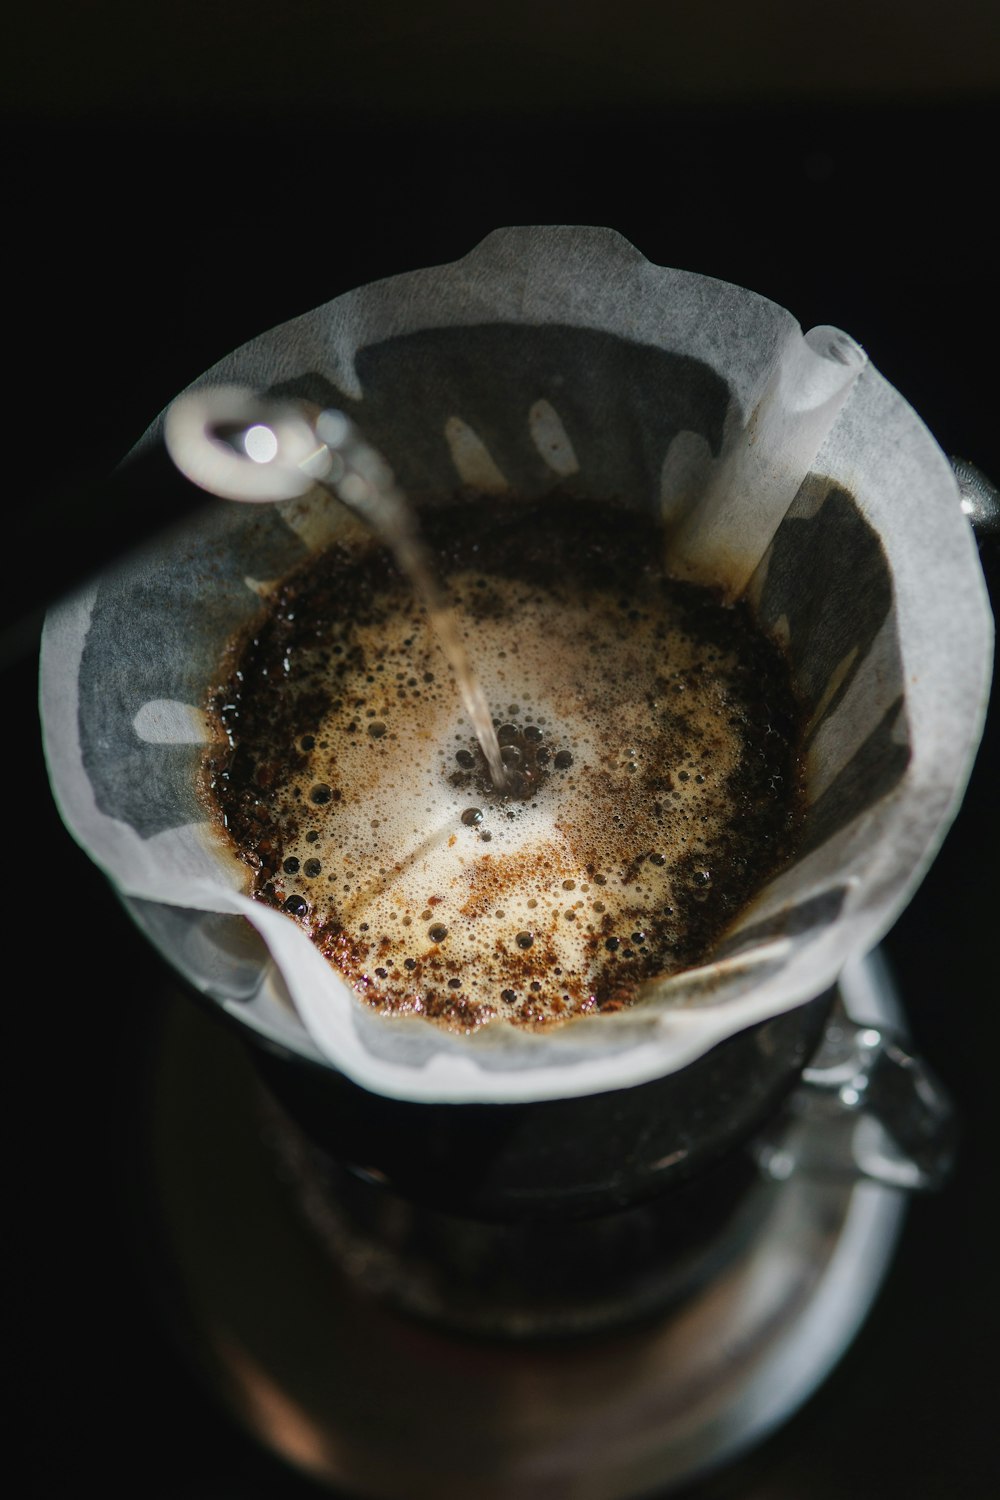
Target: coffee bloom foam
620	861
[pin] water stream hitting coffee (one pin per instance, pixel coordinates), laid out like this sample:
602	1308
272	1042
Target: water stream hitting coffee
367	485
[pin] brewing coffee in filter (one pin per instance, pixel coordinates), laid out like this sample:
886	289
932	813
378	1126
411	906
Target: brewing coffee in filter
695	400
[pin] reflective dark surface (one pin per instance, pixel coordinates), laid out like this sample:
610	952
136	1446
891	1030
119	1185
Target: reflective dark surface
141	256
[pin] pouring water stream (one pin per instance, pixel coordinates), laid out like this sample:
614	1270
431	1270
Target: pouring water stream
240	448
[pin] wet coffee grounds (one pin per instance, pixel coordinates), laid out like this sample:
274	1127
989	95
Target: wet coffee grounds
650	732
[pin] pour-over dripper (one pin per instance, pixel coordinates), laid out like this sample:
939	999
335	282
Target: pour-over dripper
464	373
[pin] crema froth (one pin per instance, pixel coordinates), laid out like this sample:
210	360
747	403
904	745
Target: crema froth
649	732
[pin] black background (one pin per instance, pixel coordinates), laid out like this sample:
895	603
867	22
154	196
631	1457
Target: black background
176	186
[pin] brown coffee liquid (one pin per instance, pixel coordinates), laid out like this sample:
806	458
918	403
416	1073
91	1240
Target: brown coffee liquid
649	733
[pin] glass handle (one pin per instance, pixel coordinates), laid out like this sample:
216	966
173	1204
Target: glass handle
866	1107
980	498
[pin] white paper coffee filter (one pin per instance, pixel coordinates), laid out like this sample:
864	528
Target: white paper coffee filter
646	384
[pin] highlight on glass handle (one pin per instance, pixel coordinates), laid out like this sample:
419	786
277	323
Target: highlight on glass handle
866	1108
980	498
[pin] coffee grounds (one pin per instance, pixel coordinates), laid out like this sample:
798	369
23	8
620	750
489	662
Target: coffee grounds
650	732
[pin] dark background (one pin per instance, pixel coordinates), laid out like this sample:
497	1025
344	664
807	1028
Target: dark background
179	178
